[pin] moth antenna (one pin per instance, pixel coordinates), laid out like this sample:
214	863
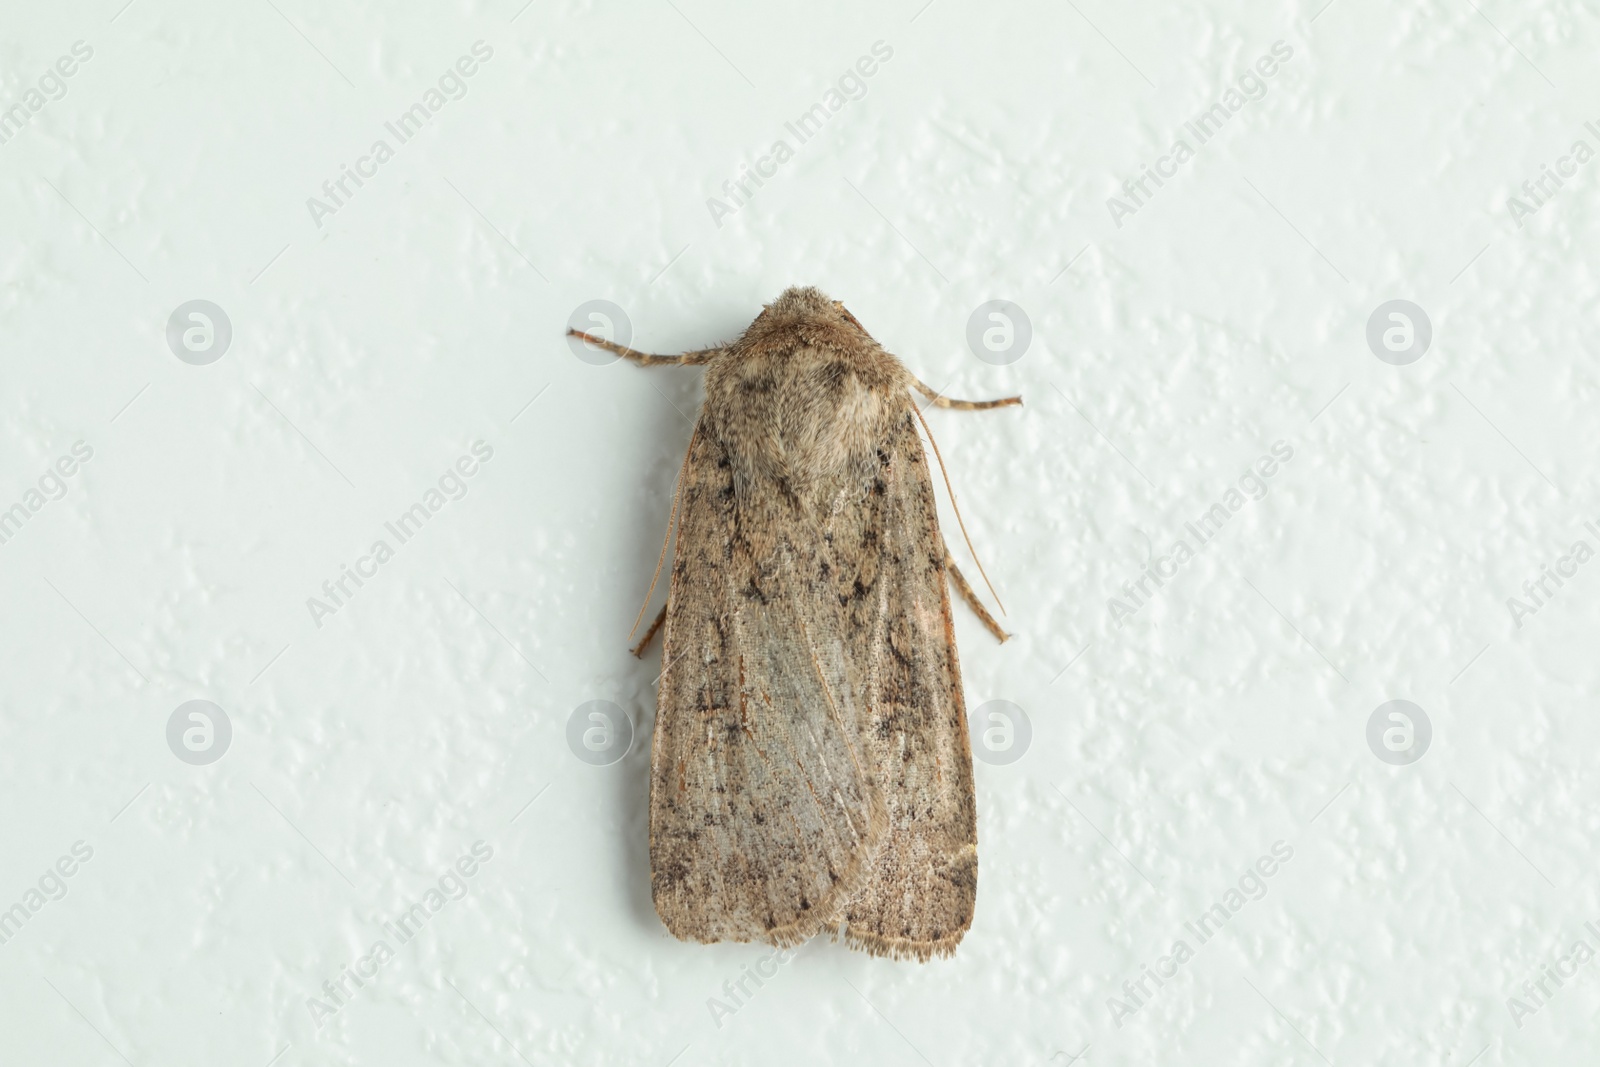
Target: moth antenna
959	521
677	491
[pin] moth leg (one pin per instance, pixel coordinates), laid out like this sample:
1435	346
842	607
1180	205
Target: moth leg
972	599
964	405
638	650
645	359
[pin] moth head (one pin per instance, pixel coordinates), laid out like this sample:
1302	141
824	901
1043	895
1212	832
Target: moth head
808	304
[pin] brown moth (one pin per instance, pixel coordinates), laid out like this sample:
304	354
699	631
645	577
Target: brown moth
810	769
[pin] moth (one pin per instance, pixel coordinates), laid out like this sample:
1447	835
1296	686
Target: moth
810	769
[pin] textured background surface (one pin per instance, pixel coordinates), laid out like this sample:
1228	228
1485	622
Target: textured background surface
1172	346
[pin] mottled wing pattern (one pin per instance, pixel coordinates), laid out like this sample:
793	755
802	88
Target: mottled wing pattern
919	900
763	814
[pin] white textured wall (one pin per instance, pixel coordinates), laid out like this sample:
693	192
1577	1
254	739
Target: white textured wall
1175	339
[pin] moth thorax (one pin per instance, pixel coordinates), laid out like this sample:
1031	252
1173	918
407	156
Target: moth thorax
803	431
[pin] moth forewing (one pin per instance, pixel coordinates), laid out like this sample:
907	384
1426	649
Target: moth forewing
763	820
920	900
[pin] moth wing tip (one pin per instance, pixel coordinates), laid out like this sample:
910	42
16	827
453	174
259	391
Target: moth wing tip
899	948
